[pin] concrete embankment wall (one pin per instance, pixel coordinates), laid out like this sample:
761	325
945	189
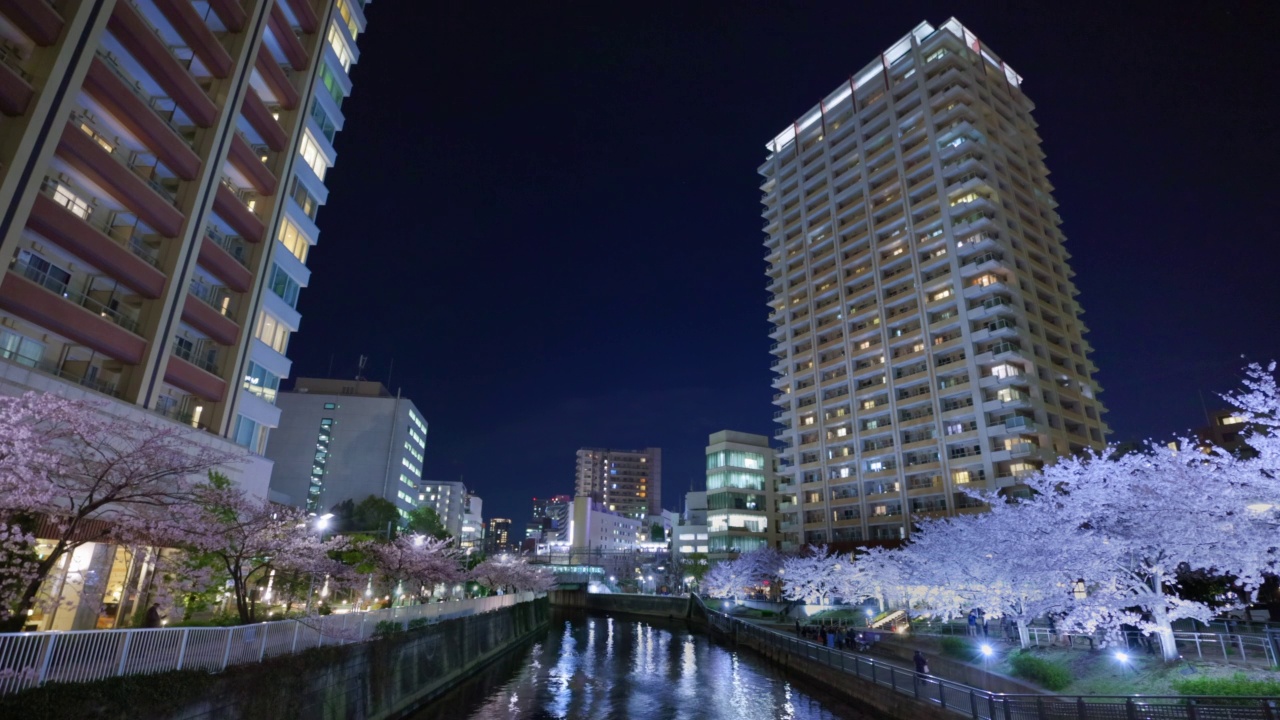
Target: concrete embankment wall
651	605
381	679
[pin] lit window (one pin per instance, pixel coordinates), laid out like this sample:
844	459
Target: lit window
339	45
293	240
310	152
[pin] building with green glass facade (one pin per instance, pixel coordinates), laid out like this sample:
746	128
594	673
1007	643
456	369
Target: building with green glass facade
740	512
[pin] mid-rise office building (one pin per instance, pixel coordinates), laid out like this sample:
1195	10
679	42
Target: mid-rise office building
161	166
624	481
471	535
594	528
739	495
449	500
927	335
346	440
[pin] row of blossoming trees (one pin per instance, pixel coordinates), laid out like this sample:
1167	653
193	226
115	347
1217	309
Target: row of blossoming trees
1099	541
76	474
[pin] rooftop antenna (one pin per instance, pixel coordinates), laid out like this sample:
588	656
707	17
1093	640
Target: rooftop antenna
364	360
330	373
391	367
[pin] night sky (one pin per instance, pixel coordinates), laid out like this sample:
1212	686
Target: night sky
547	214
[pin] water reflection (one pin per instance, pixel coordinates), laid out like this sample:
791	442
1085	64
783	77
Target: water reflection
622	667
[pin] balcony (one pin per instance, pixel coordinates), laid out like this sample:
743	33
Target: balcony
107	167
212	315
184	412
16	84
277	80
290	45
187	22
92	236
30	293
306	15
232	208
120	95
37	20
262	120
230	13
251	162
196	374
145	45
227	257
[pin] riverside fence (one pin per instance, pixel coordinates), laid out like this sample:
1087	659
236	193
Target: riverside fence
28	660
978	704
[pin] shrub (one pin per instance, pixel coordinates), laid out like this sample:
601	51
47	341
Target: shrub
954	647
767	613
1238	684
1049	674
418	623
387	627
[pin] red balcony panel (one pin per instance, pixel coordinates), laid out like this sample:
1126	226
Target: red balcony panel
90	158
230	13
289	43
194	380
276	78
308	20
237	214
204	318
37	20
147	47
243	156
108	89
259	116
182	15
15	92
219	262
29	301
66	229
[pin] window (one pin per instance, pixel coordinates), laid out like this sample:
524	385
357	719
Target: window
309	150
332	84
272	332
339	45
261	382
250	434
284	286
42	272
293	240
20	348
327	128
64	196
349	18
309	204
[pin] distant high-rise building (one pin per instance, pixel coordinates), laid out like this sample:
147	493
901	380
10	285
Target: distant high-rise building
471	537
449	500
628	482
346	440
497	538
927	336
161	167
739	496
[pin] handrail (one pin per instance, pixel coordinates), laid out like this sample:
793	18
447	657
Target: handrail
30	659
978	704
58	287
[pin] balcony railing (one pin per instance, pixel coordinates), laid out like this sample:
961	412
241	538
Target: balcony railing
58	287
203	359
215	296
235	245
51	368
154	101
102	220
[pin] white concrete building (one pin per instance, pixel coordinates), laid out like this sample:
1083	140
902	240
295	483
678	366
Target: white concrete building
595	529
449	499
926	331
471	536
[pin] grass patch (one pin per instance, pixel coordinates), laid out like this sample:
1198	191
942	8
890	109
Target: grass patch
1237	684
1047	673
954	647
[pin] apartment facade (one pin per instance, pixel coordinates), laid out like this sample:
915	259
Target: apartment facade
624	481
927	335
471	537
594	528
739	496
449	500
161	165
497	538
344	440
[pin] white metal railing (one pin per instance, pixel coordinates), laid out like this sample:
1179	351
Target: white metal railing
31	659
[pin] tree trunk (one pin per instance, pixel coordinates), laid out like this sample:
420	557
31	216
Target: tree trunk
19	618
1160	618
1024	635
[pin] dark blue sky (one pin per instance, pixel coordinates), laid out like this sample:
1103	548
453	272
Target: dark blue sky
547	214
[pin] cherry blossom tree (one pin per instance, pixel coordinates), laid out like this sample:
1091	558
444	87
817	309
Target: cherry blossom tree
813	576
740	575
89	475
507	573
412	565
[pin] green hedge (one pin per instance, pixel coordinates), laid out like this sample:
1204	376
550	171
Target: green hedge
954	647
1050	675
1238	684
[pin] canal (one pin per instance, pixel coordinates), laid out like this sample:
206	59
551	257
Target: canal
623	666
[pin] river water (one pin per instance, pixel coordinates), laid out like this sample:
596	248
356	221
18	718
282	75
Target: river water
599	666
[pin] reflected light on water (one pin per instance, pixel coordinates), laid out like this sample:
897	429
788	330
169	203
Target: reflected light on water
602	668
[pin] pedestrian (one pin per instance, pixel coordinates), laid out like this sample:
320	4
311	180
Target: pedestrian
973	622
922	665
153	616
797	628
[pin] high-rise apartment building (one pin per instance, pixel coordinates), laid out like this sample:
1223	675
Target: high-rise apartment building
739	496
497	538
346	440
161	165
927	332
628	482
471	537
